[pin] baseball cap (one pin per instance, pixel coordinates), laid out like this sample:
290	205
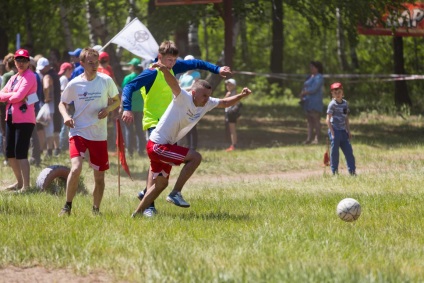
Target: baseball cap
97	47
22	53
189	57
75	53
134	62
42	62
336	85
231	81
103	56
65	66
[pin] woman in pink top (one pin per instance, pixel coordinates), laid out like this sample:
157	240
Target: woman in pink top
20	119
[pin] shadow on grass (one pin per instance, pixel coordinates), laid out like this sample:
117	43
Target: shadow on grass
273	126
284	125
209	216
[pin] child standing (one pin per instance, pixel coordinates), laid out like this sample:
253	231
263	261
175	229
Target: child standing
338	130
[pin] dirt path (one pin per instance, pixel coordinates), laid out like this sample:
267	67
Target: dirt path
13	274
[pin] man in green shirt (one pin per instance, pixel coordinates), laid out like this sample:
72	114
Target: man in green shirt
137	109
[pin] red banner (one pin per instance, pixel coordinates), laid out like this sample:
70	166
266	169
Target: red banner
406	22
120	146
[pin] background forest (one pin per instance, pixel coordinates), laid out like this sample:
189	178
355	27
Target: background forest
275	39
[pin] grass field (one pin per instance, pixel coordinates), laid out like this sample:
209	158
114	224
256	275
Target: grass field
264	213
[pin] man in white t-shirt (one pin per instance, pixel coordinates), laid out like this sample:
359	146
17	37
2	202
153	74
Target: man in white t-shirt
185	110
90	93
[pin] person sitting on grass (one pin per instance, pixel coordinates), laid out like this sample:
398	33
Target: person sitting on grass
184	112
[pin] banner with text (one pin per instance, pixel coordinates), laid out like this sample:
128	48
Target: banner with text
406	22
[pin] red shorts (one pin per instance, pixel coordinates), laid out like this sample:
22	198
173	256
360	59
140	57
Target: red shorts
164	156
99	158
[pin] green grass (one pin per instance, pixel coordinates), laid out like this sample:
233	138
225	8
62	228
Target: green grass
260	214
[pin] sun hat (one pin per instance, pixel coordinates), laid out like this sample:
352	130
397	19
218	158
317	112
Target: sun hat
22	53
134	62
41	63
65	66
231	81
336	85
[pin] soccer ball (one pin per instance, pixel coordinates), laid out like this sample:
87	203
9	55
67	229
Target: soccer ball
349	209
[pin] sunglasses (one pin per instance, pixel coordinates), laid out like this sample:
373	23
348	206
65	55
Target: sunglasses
21	60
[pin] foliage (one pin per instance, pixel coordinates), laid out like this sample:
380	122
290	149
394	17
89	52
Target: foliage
309	34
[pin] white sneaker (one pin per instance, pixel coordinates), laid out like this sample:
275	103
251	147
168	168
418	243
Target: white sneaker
178	200
150	211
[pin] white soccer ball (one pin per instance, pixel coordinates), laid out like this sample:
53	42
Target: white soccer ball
349	209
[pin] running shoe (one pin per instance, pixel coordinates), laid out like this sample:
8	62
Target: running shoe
178	200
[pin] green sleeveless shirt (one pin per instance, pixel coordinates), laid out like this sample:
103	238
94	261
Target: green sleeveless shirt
156	101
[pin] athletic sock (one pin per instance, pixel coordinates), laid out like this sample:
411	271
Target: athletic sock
68	204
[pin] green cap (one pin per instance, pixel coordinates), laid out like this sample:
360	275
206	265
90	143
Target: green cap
134	61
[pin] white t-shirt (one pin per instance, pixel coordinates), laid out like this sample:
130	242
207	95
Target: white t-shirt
63	82
179	118
89	98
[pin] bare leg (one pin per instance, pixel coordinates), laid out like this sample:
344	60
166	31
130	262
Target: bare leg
192	161
73	178
233	133
160	183
310	121
42	138
25	172
99	187
17	171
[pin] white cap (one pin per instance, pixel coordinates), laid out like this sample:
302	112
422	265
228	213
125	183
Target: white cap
42	62
231	81
97	47
189	57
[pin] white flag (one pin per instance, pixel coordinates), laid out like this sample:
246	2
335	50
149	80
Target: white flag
137	39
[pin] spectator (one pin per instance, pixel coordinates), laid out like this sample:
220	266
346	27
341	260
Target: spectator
9	64
339	130
78	69
35	145
136	128
51	90
65	74
311	98
20	119
232	113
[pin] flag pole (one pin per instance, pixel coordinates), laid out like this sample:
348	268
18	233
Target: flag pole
104	46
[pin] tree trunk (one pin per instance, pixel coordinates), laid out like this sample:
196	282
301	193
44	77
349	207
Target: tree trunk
277	47
244	42
401	89
228	18
65	26
181	40
193	40
341	46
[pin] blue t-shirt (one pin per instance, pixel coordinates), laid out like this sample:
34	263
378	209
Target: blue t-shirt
339	112
313	100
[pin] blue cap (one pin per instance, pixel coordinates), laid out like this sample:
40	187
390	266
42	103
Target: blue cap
75	53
